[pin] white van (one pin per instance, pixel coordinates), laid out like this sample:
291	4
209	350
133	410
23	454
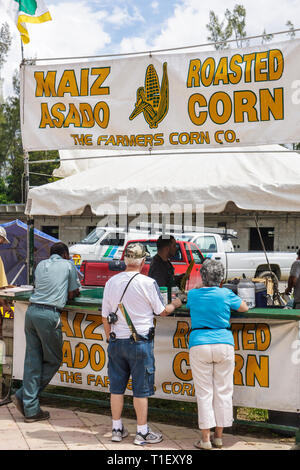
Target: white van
105	243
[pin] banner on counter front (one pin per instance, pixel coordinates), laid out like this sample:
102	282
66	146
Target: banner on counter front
248	96
267	355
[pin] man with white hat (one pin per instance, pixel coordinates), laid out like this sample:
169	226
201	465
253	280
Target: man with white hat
129	301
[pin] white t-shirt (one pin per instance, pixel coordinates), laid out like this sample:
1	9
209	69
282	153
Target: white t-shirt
142	299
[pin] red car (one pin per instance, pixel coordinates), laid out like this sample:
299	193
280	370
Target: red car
96	273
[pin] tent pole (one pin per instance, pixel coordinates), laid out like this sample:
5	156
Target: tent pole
30	225
262	242
276	293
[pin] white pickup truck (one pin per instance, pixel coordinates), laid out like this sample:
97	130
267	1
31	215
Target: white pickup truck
104	243
250	263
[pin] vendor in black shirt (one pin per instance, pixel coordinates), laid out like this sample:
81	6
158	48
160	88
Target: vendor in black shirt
161	268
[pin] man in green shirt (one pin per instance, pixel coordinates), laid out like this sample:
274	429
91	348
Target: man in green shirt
55	281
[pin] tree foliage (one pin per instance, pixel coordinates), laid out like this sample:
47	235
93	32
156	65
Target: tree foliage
218	33
5	42
11	149
233	27
237	23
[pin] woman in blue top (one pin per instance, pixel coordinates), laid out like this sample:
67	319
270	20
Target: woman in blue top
211	347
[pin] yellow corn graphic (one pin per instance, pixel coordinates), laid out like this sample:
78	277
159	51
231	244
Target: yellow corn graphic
152	100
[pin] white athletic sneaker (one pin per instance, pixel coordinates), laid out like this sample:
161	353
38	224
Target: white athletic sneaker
217	442
149	438
203	445
119	434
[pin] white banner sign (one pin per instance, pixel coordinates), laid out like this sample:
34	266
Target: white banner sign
266	376
240	97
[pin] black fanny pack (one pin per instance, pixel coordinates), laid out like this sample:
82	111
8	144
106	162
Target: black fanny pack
148	337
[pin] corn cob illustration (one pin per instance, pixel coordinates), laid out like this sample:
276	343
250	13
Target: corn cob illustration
152	100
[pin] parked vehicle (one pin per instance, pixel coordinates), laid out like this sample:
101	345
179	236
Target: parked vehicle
97	273
109	242
104	242
251	263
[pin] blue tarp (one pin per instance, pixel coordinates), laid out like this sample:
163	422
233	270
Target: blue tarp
14	254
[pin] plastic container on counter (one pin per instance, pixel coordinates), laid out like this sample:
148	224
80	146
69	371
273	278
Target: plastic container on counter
246	291
164	294
260	295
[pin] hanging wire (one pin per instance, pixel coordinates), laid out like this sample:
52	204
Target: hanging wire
156	51
44	174
146	155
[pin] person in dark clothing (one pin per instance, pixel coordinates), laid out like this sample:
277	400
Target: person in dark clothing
161	268
294	281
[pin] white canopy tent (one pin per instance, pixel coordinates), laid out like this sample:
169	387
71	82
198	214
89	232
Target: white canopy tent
256	178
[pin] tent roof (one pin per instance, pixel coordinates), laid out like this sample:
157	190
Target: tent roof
253	181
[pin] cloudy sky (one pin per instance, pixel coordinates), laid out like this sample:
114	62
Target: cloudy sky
88	27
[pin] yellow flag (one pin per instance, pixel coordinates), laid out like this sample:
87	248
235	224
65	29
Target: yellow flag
29	11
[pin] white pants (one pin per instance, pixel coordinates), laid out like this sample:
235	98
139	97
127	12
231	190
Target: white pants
212	368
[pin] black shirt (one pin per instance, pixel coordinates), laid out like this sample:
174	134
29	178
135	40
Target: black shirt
162	271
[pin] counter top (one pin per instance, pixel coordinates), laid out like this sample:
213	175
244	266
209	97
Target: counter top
91	299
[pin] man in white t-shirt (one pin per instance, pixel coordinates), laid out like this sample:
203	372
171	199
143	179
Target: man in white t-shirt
130	349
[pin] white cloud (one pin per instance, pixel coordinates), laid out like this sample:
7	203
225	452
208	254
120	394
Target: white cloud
134	44
78	30
121	16
75	30
186	25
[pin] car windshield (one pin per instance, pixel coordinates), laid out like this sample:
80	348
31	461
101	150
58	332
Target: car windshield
93	236
206	243
183	237
151	248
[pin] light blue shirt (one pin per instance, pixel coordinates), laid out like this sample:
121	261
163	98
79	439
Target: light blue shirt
210	307
54	278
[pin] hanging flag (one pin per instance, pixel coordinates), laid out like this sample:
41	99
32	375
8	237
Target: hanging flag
28	11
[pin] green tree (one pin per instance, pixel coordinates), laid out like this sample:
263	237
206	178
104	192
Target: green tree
218	33
234	27
221	32
5	42
234	24
237	23
266	37
13	157
11	149
291	32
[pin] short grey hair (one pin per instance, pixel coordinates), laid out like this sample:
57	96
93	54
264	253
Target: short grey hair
212	273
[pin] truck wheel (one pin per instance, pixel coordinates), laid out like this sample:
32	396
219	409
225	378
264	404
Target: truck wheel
269	274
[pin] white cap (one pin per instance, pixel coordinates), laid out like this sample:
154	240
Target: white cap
3	234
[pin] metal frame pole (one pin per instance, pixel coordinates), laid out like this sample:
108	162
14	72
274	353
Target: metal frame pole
30	225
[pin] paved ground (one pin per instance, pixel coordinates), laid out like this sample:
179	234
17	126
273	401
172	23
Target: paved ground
75	430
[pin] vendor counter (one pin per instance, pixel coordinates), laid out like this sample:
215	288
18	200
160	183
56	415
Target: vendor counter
267	353
90	299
